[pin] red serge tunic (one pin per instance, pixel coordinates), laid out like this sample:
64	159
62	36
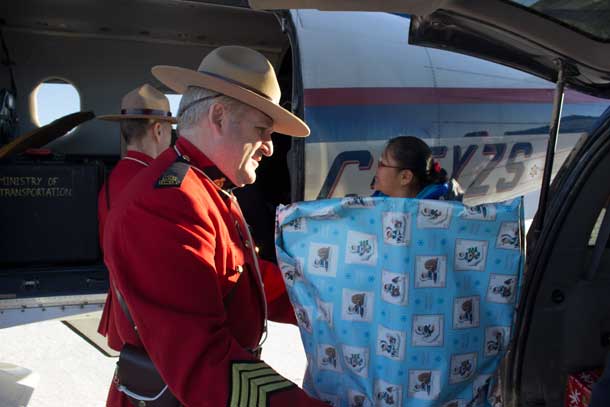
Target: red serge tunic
178	252
120	176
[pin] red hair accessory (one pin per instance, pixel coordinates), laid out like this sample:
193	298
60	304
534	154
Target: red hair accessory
436	167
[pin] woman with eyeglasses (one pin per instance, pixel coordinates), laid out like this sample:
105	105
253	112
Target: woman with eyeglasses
406	169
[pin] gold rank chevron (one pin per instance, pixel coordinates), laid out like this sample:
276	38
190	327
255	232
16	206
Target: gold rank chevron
253	382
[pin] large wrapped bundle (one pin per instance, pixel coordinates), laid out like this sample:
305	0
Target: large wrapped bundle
401	301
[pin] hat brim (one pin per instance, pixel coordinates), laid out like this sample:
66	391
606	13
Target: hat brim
119	117
179	79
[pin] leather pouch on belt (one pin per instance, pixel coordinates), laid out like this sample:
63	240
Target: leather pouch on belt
137	377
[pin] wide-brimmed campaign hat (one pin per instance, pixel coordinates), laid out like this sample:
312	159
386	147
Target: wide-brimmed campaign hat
241	73
144	102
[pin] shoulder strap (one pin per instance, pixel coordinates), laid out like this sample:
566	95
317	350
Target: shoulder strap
126	310
173	176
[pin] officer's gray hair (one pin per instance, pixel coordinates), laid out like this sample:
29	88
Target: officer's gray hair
189	116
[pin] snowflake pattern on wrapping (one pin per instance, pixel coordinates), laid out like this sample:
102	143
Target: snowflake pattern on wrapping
574	397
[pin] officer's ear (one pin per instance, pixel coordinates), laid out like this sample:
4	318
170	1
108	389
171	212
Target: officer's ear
217	115
157	130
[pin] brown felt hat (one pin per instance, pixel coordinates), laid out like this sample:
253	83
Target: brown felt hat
241	73
144	102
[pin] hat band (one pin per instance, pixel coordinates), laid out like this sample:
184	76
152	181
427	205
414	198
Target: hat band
240	84
196	101
147	112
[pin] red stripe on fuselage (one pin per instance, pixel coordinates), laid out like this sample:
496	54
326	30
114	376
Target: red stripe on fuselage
422	96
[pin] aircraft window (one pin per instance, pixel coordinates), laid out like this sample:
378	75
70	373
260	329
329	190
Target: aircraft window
174	102
54	98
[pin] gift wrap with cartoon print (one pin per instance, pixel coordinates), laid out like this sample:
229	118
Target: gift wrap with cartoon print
401	302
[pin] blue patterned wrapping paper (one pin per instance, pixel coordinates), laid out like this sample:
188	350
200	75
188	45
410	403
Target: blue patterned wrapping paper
401	302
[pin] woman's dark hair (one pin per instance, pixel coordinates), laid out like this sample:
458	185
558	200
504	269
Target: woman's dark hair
413	154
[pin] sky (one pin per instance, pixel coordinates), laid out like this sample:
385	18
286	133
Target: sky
54	100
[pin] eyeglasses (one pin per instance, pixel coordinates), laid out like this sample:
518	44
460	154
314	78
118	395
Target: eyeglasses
380	164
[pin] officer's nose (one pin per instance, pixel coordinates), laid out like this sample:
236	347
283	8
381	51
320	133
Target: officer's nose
267	147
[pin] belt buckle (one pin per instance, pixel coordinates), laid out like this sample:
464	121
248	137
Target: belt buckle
115	378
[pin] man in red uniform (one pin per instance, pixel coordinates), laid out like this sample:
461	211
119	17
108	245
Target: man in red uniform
145	122
180	252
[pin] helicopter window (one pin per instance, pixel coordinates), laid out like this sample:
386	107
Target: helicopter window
52	99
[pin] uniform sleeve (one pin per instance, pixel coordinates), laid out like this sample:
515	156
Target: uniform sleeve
101	212
163	259
102	328
278	303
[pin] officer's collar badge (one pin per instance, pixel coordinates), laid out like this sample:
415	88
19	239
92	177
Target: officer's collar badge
218	178
211	171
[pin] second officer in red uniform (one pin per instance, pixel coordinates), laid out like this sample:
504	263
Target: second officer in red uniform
145	121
